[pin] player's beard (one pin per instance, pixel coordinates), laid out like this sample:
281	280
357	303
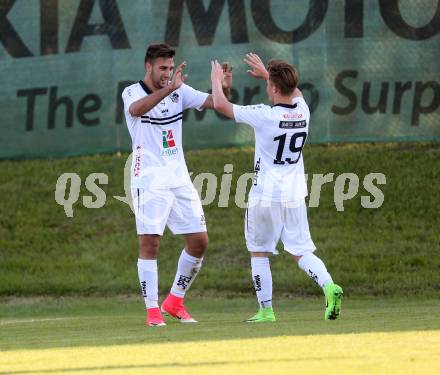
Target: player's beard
157	82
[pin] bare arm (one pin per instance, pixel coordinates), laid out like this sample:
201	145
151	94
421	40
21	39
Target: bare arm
226	86
209	103
143	105
221	104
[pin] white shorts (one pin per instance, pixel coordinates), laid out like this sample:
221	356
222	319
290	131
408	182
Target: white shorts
179	208
268	222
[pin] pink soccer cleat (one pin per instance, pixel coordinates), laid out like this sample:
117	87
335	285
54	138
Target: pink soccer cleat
154	317
174	307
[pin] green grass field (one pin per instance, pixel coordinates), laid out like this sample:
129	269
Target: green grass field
107	335
62	280
392	250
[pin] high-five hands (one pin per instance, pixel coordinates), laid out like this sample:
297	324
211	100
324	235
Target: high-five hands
227	76
178	77
258	70
217	73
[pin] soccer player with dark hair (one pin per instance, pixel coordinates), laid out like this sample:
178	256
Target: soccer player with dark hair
162	192
276	205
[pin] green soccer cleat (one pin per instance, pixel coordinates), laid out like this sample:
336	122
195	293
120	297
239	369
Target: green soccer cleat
333	298
265	314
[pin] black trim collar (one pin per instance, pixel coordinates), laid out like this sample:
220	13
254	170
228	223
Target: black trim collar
145	87
291	106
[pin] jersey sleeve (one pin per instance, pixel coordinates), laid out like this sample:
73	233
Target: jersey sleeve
252	115
301	103
192	98
129	96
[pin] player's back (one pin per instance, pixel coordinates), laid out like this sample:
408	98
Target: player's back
280	134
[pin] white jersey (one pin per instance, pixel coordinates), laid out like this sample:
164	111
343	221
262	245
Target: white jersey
158	160
280	134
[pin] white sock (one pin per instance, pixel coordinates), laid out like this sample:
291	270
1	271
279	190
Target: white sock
315	268
147	272
262	279
187	269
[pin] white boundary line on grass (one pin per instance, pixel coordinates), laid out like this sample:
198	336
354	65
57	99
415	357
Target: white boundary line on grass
6	322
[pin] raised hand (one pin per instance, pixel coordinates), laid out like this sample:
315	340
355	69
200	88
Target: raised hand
178	77
217	73
227	76
258	70
219	100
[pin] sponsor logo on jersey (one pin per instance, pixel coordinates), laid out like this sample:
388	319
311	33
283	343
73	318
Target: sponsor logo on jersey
170	152
289	116
168	143
168	139
174	97
293	124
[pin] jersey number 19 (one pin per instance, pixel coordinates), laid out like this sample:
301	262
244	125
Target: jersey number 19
292	147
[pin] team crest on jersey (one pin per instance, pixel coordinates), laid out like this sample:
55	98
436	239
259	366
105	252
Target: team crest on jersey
174	97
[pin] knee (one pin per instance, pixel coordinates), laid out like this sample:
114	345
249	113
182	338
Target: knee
201	244
149	247
198	247
204	243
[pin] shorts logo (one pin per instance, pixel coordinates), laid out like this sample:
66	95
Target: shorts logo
256	170
168	139
202	220
257	283
184	281
174	97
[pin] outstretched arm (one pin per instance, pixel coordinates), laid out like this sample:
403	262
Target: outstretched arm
142	106
221	104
